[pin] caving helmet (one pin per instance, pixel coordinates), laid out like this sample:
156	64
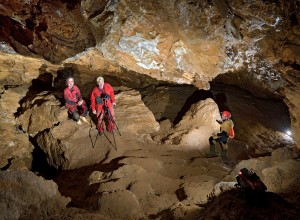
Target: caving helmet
69	79
100	79
226	114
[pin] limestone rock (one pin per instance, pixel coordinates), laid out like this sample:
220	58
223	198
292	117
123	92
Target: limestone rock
24	194
198	188
279	172
223	186
197	125
64	146
152	199
283	177
64	150
133	116
120	204
17	73
293	102
146	48
284	153
95	177
40	115
43	25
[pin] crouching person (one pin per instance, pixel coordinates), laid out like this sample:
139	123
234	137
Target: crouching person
74	102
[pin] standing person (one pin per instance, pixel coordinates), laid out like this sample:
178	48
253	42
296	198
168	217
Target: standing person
103	98
226	131
74	102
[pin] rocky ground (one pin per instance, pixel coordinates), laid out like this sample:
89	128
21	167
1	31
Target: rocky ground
149	181
146	180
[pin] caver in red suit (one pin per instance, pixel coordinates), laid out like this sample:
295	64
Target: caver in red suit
74	102
103	98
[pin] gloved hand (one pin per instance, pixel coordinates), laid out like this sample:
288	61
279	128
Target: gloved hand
222	133
80	102
219	121
114	104
94	112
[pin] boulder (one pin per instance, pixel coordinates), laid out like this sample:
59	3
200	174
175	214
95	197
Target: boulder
24	194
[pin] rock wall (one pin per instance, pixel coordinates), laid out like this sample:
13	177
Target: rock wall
17	74
24	194
54	30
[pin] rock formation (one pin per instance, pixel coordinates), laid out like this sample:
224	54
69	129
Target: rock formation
174	65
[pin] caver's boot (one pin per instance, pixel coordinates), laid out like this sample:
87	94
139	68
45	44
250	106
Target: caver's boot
83	119
212	152
224	154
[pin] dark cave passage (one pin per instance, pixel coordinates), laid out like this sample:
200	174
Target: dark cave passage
272	113
40	165
173	102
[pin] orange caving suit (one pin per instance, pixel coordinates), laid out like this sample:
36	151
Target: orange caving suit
72	97
101	99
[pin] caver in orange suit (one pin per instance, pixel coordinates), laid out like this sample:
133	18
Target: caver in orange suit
103	98
74	102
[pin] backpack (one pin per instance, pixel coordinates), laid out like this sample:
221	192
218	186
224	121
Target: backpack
231	132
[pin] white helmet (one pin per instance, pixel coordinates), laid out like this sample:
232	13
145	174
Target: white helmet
69	79
100	79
